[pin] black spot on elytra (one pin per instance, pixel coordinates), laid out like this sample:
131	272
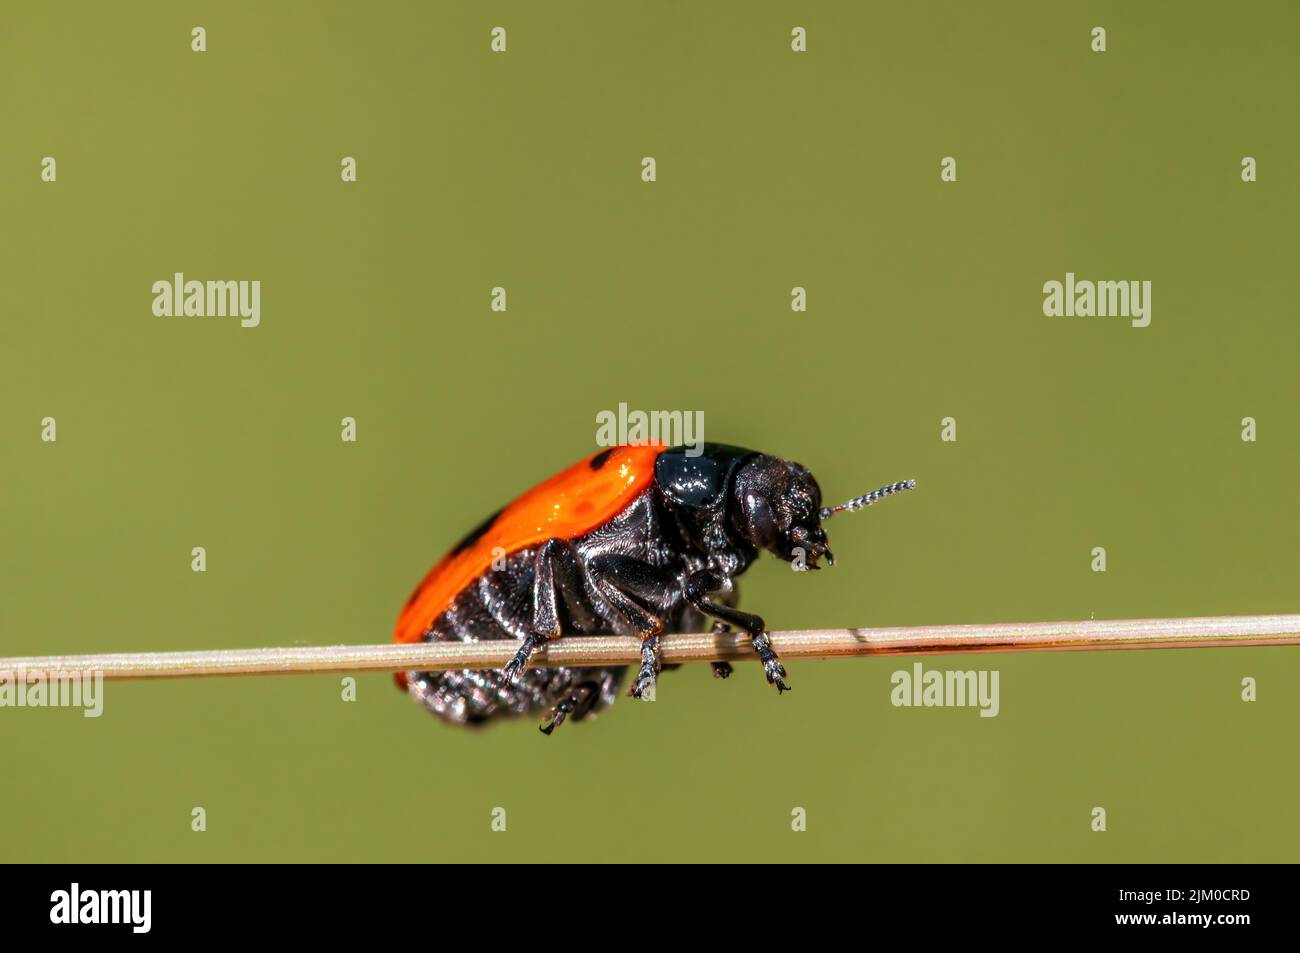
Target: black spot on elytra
475	534
600	459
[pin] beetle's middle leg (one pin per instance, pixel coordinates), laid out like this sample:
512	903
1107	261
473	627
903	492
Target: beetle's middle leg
630	585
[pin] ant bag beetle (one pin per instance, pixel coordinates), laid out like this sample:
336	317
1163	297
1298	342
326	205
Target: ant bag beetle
635	540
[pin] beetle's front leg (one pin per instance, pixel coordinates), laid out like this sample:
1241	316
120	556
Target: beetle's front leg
697	588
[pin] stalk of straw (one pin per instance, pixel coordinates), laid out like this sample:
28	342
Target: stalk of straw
1210	632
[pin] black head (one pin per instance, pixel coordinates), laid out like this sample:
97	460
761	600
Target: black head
777	506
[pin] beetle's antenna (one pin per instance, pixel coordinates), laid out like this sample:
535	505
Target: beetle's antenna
858	502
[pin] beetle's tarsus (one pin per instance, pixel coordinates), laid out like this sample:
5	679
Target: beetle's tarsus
644	686
772	666
576	703
516	666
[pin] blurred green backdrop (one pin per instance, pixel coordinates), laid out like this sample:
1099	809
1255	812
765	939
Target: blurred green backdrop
775	169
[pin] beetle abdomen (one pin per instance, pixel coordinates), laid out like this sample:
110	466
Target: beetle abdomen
469	697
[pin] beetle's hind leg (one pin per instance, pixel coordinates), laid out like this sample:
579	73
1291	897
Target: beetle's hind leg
555	582
515	667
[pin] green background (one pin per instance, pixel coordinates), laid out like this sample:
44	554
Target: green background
775	169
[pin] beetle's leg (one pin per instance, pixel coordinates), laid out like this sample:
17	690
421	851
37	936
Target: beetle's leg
721	669
582	699
552	566
730	598
508	605
692	620
558	592
625	583
577	702
515	667
697	588
546	602
651	665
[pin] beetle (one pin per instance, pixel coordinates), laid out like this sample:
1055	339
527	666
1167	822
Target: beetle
635	540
